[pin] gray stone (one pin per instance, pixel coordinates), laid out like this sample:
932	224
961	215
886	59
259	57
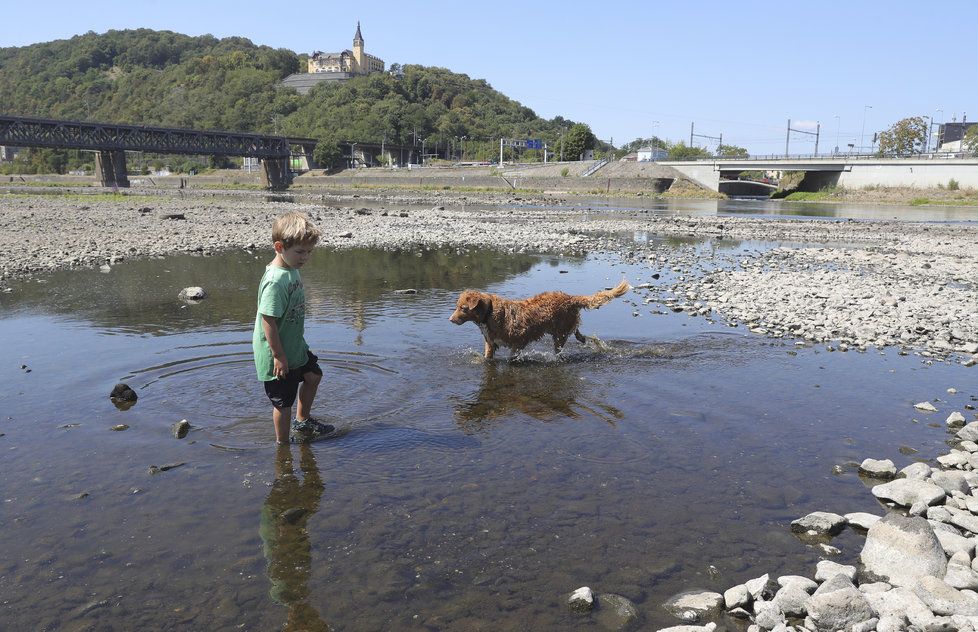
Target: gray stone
861	520
906	492
826	570
878	469
953	543
950	482
916	471
180	429
581	600
767	615
194	293
953	459
969	432
797	581
615	612
866	626
709	627
943	599
791	601
926	407
955	420
736	597
819	521
838	605
964	519
899	550
759	587
961	577
874	587
699	601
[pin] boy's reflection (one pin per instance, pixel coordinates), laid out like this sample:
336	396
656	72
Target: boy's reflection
285	541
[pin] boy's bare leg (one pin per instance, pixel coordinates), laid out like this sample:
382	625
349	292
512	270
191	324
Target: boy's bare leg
281	417
307	393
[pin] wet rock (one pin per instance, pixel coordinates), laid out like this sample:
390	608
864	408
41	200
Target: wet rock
615	612
294	515
821	522
926	407
699	601
955	420
406	291
181	428
80	496
838	605
878	468
709	627
193	293
156	469
120	427
123	392
899	550
581	600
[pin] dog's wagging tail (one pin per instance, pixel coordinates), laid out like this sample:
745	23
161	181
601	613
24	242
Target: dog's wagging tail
517	323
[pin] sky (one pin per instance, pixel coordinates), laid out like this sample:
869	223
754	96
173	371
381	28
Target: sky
740	70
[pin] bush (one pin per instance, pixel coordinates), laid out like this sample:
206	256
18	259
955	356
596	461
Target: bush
564	172
952	185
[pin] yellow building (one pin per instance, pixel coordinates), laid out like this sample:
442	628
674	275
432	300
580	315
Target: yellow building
352	62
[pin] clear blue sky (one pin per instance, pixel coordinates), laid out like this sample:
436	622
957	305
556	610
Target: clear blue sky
628	69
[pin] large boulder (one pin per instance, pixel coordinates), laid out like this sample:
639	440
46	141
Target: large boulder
838	605
900	550
822	522
943	599
907	492
615	612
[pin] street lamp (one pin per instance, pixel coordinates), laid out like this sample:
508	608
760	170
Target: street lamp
862	133
838	122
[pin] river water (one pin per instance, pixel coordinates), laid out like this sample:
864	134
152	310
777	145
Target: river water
463	494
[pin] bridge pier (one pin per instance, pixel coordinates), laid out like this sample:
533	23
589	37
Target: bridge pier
275	173
110	165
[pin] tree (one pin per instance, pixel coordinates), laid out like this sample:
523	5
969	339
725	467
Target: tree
971	139
578	139
732	151
906	137
682	151
328	153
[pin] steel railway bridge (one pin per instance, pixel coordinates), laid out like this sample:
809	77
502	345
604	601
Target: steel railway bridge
110	142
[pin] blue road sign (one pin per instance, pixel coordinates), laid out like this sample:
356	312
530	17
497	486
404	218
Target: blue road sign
534	143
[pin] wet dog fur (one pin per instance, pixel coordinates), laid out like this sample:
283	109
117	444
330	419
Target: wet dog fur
517	323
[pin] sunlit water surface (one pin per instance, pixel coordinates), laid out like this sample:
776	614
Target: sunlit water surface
463	494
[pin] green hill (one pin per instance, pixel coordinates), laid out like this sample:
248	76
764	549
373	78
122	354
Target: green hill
163	78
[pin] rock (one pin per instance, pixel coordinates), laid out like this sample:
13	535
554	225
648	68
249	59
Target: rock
916	471
120	427
736	597
961	577
955	420
861	520
969	432
767	615
699	601
951	481
838	605
345	235
581	600
294	514
906	492
826	570
175	216
181	428
792	600
761	587
866	626
899	550
954	543
926	407
797	581
409	290
878	469
709	627
943	599
122	392
193	293
615	612
820	522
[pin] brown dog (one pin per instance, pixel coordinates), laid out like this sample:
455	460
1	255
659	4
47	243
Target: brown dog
516	324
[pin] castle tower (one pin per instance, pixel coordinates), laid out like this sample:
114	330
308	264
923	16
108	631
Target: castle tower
359	63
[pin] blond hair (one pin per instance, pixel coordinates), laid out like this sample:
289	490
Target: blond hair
294	228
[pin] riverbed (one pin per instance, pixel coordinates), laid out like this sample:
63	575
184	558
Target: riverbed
461	494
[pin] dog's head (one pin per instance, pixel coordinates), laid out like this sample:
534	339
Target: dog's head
472	306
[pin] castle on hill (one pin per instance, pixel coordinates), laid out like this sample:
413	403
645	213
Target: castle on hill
340	66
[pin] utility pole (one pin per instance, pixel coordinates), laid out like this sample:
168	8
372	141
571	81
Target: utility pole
691	124
787	136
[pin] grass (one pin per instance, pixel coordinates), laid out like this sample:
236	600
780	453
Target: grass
922	201
92	197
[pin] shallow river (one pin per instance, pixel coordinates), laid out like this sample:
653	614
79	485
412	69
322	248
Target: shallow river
465	495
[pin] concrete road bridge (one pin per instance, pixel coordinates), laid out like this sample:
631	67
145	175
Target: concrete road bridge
925	170
111	141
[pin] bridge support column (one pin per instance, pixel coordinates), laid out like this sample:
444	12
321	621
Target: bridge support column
110	165
275	173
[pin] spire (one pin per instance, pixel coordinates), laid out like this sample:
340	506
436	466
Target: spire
358	37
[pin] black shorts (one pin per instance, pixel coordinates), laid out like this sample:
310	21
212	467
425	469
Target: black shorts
282	392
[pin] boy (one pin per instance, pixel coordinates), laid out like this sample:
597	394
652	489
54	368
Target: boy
282	357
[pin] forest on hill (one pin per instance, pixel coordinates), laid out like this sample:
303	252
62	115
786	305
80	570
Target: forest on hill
149	77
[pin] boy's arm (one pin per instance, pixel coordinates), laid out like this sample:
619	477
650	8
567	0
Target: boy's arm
270	327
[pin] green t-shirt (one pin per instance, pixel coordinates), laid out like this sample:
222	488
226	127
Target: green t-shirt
280	294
